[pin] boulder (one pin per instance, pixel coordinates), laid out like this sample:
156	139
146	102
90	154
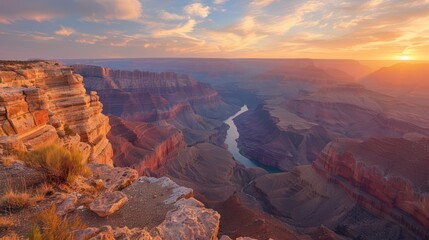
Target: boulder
114	179
201	223
108	203
68	205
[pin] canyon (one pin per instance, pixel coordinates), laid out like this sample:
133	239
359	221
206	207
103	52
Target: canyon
300	114
57	178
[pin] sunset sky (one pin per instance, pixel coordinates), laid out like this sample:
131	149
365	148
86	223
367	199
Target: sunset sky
375	29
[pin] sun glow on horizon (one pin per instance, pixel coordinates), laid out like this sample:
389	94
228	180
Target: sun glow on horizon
405	58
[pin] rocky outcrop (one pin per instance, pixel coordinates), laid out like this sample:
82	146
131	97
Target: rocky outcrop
144	146
150	208
388	176
108	203
113	178
42	101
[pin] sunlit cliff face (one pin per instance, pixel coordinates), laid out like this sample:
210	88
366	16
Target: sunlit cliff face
372	29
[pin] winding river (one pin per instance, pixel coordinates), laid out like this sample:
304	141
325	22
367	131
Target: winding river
231	141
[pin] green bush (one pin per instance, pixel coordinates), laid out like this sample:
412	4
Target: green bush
57	163
49	226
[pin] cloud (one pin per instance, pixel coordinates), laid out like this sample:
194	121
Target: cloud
197	9
112	10
65	31
219	1
261	3
95	10
90	38
170	16
180	30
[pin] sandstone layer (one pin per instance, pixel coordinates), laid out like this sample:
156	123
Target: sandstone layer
388	176
41	102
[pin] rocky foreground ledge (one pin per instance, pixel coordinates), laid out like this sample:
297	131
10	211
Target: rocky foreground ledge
114	203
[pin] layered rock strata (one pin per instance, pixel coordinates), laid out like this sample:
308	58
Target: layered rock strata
388	176
42	101
150	96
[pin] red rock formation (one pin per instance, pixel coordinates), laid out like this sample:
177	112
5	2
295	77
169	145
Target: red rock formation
40	99
143	146
388	176
149	96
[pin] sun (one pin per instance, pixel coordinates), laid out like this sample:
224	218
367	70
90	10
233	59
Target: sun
404	58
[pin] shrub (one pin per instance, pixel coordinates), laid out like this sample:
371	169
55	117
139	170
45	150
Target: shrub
49	226
14	201
57	163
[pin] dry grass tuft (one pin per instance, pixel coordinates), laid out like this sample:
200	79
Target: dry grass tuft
14	201
6	223
11	236
45	189
7	161
50	226
58	163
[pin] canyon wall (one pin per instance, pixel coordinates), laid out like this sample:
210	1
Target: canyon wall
43	102
150	96
388	176
155	115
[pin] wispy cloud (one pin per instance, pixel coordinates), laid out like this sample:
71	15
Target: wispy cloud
170	16
65	31
180	30
42	10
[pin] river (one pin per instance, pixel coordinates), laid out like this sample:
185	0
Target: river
231	141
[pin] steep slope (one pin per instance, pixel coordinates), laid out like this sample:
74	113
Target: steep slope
143	146
304	199
41	101
388	176
151	95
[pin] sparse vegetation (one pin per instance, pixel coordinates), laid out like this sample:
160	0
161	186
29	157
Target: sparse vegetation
52	227
11	236
6	223
6	161
14	201
59	164
45	189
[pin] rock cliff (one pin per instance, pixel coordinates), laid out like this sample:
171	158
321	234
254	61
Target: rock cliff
150	96
41	102
144	146
388	176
